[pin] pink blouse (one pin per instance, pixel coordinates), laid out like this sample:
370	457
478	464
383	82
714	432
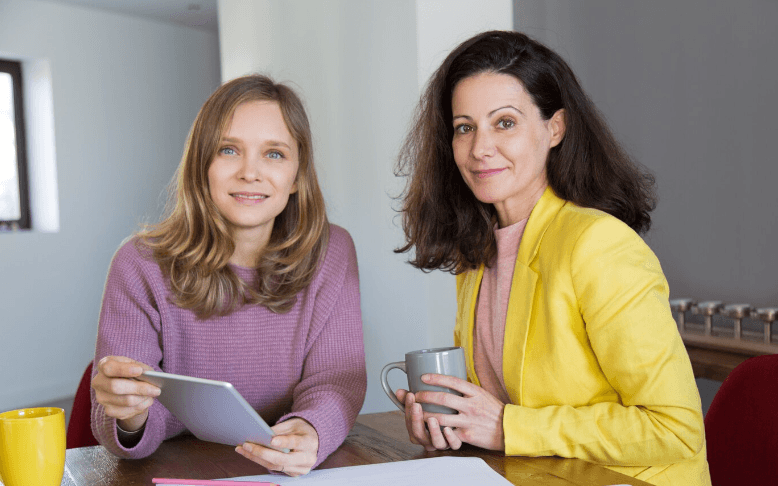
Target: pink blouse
492	309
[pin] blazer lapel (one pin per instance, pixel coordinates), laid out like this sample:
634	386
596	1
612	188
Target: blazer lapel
523	288
467	297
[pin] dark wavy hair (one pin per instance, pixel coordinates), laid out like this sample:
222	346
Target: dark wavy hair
448	228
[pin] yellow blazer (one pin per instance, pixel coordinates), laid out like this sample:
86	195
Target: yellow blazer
592	361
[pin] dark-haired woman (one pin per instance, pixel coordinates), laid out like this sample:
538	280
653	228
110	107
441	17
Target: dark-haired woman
516	185
244	281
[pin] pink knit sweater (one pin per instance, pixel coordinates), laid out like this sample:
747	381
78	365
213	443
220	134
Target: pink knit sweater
308	363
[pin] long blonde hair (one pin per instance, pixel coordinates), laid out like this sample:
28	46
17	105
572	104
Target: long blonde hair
193	243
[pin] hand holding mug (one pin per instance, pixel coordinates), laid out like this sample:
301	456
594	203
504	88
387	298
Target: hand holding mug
478	420
124	398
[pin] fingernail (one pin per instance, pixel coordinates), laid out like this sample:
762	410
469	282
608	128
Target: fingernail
247	447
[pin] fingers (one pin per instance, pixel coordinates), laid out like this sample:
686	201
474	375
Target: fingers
418	429
411	414
294	463
116	388
452	438
436	435
295	434
462	386
295	442
400	394
442	398
121	367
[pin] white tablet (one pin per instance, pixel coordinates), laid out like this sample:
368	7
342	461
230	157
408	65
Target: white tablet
212	410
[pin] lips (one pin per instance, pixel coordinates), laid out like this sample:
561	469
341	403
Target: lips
482	174
249	197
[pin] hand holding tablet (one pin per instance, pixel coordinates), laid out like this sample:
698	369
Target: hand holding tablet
212	410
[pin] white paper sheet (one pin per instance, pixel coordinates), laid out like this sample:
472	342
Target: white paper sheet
443	471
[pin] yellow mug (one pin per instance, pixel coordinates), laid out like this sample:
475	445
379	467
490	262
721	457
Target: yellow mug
32	447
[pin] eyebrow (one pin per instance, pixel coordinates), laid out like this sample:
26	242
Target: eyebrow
492	112
272	143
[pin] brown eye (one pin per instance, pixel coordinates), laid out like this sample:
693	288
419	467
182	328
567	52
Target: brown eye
506	123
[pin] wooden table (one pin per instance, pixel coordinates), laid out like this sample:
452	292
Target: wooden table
376	438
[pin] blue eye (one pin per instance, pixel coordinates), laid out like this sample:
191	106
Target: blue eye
275	154
227	151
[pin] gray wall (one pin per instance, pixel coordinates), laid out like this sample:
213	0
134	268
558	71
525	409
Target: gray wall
688	87
125	92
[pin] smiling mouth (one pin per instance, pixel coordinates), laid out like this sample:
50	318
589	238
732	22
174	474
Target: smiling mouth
481	174
242	196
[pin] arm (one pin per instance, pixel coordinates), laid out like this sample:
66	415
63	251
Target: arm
331	391
623	300
129	327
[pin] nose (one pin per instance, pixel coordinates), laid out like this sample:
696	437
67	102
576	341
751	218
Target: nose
250	168
483	144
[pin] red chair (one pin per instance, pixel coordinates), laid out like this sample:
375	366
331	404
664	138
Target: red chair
741	426
80	425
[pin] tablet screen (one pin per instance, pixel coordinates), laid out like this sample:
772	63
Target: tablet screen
212	410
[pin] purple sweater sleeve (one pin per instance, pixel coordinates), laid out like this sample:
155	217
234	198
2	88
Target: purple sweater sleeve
332	389
129	326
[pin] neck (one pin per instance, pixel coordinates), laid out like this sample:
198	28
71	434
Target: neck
249	246
518	210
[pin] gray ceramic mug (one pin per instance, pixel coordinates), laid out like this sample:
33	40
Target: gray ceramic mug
443	361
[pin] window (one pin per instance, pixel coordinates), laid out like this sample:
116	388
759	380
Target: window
14	194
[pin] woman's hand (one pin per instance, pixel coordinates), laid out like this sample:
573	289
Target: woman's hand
125	399
294	434
479	421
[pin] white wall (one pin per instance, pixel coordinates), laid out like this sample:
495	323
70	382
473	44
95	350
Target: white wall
359	65
125	91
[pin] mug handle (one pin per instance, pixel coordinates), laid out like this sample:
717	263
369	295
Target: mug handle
385	383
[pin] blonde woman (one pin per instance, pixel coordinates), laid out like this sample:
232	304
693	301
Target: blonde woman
244	281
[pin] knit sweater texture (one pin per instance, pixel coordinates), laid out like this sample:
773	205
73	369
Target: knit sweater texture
307	363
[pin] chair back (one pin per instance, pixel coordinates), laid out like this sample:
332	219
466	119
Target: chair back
741	426
79	432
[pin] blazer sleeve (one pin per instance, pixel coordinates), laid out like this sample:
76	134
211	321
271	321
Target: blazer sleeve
656	419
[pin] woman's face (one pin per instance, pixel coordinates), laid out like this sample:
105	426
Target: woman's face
501	143
254	170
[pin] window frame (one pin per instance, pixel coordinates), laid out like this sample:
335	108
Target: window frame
14	68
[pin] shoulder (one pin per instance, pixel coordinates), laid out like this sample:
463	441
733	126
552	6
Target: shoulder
340	245
600	244
339	259
575	226
135	257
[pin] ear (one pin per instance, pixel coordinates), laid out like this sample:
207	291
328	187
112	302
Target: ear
557	125
294	186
